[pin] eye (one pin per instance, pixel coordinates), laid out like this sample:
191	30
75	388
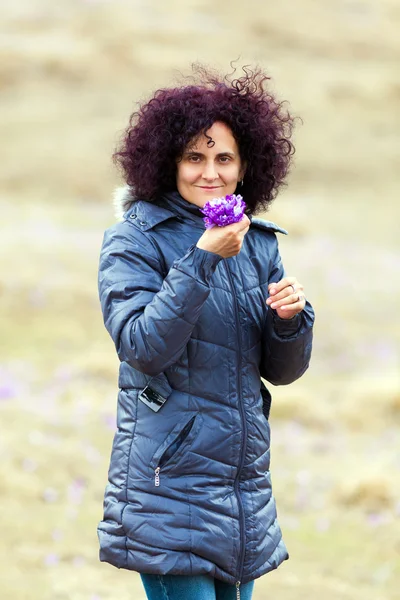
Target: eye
193	158
225	158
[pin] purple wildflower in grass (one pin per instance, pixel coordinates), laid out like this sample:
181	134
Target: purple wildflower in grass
109	420
29	465
57	535
223	211
78	561
376	519
303	477
322	524
51	560
76	490
91	453
6	391
10	386
50	495
37	298
302	499
64	373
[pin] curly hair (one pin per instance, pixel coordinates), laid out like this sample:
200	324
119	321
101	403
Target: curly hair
174	117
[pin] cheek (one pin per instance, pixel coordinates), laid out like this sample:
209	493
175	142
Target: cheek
233	173
187	173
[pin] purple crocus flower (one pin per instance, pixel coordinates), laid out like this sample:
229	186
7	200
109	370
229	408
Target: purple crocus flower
223	211
51	559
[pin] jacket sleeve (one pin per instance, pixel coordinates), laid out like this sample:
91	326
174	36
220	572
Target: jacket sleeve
286	343
149	318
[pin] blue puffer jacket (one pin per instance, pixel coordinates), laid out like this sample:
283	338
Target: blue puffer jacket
189	487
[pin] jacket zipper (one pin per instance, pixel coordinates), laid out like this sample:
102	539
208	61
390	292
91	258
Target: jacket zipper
157	477
244	440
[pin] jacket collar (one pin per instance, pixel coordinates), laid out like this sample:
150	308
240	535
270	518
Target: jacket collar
145	214
170	205
149	214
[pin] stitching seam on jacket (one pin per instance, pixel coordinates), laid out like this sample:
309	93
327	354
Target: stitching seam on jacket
127	479
191	277
190	528
174	312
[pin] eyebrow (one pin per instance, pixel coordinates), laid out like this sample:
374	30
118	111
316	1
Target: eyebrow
188	152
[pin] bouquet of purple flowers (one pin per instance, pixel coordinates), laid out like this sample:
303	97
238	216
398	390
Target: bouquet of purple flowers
223	211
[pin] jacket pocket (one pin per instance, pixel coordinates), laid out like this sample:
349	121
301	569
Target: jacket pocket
174	445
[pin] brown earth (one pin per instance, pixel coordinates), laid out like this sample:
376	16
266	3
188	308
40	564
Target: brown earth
70	74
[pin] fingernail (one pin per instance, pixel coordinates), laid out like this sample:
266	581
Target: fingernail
273	305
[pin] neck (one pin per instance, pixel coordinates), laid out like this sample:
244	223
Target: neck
181	206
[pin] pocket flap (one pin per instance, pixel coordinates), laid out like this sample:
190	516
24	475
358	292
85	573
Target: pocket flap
156	392
160	384
132	378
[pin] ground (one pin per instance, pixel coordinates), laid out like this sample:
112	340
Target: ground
70	75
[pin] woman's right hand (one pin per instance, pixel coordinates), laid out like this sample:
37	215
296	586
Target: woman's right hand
225	241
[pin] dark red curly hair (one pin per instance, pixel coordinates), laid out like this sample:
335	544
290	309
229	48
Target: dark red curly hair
163	126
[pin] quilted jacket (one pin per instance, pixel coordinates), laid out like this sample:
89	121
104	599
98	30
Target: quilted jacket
189	487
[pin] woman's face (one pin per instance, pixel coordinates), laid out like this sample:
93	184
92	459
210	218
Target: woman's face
210	171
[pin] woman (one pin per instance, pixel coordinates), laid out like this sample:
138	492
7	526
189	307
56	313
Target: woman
198	317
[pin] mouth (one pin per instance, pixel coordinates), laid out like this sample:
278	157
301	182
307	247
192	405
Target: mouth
207	187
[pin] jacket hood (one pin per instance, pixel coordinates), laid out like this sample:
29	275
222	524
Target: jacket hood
123	197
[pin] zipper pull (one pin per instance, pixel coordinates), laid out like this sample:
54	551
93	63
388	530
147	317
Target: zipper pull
238	590
157	477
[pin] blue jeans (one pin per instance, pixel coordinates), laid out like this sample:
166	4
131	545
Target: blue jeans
193	587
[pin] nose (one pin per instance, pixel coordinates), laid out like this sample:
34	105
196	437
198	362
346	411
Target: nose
209	172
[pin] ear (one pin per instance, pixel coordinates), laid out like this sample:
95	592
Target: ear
242	171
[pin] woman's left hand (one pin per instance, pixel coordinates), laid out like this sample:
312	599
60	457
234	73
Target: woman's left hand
286	297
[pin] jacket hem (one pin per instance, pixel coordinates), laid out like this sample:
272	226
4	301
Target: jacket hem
119	549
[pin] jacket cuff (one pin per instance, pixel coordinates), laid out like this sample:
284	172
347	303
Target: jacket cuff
198	263
285	328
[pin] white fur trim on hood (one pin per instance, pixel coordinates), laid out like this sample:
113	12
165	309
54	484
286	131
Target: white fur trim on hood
122	200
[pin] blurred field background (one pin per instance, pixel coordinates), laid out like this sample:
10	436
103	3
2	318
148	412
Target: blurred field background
70	75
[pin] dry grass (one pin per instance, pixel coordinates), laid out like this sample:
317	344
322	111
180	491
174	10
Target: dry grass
70	73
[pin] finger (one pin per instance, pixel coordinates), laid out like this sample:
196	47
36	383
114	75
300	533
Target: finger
243	224
243	232
289	300
284	282
274	288
287	291
297	306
